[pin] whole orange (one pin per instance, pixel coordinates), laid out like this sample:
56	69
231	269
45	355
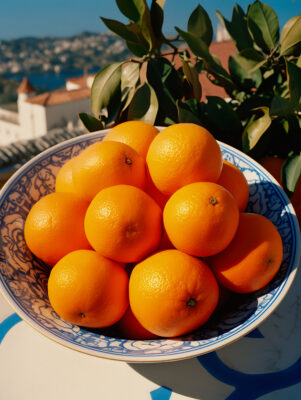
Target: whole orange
64	180
105	164
181	154
201	218
136	134
234	180
172	293
87	289
55	226
123	223
253	257
131	328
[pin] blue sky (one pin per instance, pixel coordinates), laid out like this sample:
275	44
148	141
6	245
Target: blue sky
19	18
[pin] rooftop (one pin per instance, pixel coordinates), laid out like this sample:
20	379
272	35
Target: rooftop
25	86
60	96
81	80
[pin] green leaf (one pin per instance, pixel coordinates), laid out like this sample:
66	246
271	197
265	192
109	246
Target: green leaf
237	28
120	29
290	172
294	75
200	25
222	77
192	77
132	9
106	83
255	129
111	113
250	58
130	75
90	123
157	17
164	79
196	44
138	11
240	75
264	25
129	79
290	39
280	106
222	115
136	49
187	112
200	49
144	106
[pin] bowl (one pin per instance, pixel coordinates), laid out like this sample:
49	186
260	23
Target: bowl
23	277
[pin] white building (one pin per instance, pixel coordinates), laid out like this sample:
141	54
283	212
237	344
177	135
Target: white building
35	115
222	35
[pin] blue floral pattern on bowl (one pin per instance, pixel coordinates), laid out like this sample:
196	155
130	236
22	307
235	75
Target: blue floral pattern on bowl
23	278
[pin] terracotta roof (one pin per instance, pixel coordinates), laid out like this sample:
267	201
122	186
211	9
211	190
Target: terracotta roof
223	50
60	96
81	80
25	86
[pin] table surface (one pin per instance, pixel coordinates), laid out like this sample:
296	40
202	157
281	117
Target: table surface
266	364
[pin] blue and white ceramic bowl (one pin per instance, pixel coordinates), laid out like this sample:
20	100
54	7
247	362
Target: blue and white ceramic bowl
23	278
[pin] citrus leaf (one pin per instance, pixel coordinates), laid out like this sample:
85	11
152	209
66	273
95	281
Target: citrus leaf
157	17
222	115
200	49
200	25
263	24
196	44
250	58
240	75
129	79
192	77
255	129
257	66
164	80
237	28
290	172
144	106
132	9
280	106
106	83
120	29
294	75
138	12
91	123
187	113
111	113
136	49
130	75
290	39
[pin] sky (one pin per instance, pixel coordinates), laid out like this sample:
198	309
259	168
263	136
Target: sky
21	18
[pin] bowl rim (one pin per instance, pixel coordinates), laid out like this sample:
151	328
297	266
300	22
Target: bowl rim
151	358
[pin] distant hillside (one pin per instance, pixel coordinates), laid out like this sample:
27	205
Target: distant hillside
8	92
85	50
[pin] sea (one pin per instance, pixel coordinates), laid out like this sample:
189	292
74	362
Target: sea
48	81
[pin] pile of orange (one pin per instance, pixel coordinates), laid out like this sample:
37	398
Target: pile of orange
145	227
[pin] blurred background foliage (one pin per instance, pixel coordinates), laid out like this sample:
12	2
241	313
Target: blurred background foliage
262	113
